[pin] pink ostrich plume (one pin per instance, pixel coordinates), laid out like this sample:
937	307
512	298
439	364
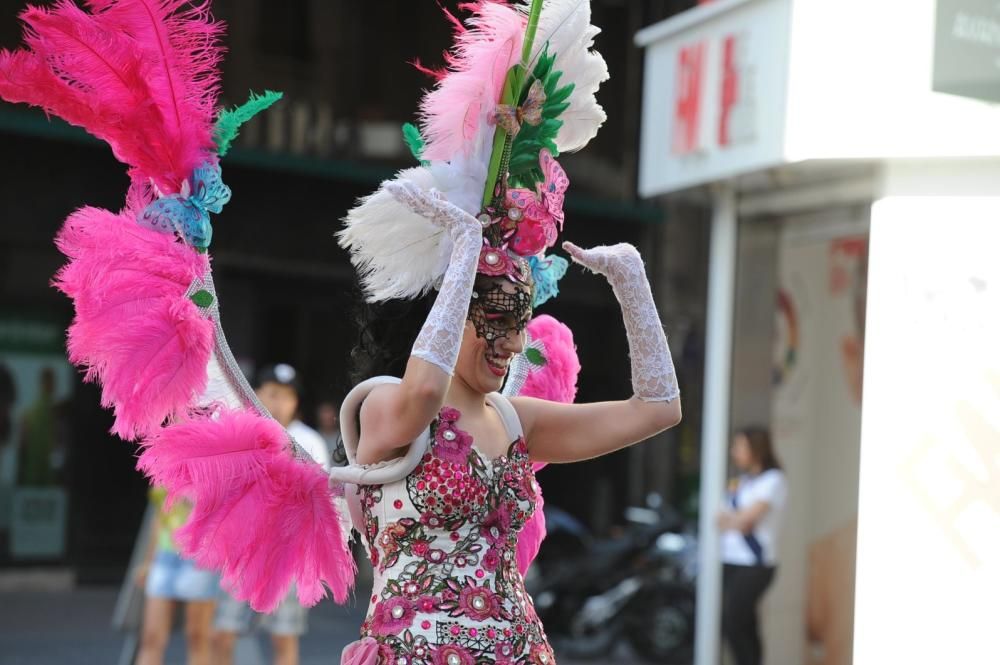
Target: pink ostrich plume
458	110
135	330
262	517
556	382
138	74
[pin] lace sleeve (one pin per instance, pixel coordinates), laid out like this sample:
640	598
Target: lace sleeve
653	377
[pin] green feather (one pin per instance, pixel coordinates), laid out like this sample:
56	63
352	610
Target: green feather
535	357
415	142
524	170
227	125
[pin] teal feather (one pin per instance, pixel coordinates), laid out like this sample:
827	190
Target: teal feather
414	141
546	271
227	125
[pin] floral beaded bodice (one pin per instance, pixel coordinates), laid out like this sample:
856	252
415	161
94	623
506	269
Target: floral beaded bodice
443	542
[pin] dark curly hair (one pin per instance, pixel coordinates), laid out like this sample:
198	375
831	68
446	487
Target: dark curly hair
385	335
386	332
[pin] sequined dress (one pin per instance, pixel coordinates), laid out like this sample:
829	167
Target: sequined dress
442	542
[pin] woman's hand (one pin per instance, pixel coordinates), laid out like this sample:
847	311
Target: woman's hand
573	432
434	207
725	520
743	520
619	263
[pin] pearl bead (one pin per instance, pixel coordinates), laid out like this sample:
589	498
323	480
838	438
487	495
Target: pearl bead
543	657
397	612
514	214
478	603
449	435
484	219
454	660
401	660
492	258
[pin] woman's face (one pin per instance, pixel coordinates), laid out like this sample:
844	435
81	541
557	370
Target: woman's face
741	454
494	333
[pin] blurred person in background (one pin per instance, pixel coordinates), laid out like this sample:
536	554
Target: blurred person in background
169	579
38	435
328	424
278	387
750	526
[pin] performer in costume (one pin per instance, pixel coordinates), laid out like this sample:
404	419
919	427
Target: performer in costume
441	460
440	480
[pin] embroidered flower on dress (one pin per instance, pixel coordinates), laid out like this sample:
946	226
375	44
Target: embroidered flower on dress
491	560
393	616
478	603
450	443
436	556
427	604
504	653
541	654
452	654
496	525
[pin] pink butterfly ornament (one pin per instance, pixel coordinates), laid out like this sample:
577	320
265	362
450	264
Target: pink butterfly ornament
538	215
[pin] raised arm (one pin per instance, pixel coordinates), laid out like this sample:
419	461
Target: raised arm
393	415
572	432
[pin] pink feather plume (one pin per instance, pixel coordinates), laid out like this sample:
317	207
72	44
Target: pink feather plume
555	381
453	115
261	517
138	74
135	331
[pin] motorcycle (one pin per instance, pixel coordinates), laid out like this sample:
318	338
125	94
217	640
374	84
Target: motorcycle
591	594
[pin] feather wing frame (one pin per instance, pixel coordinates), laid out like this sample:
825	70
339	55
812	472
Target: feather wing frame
135	330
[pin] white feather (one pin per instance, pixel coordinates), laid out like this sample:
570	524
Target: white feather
565	26
398	253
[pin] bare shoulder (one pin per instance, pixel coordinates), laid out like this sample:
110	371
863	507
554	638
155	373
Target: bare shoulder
528	409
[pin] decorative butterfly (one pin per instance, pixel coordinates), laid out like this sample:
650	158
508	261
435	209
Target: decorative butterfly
539	214
510	117
187	212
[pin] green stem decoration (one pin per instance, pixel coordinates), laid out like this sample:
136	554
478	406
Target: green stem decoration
511	95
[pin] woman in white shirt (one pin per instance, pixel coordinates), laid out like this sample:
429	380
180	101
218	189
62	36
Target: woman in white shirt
750	524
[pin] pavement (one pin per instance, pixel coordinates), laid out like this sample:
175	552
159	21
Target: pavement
71	627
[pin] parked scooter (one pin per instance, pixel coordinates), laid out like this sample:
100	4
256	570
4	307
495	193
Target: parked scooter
591	594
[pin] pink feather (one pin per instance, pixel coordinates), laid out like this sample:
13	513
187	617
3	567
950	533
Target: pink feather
455	112
261	517
555	381
151	100
135	331
180	40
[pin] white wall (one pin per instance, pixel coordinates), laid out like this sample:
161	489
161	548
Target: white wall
859	86
929	532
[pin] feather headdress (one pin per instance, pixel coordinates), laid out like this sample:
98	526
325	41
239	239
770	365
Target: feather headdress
143	76
517	90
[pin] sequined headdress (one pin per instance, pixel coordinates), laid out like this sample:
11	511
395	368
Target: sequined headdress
518	89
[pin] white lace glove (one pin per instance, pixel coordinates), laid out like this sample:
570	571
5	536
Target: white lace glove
653	378
441	336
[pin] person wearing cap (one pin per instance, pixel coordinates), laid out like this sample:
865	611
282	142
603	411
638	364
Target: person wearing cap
278	387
